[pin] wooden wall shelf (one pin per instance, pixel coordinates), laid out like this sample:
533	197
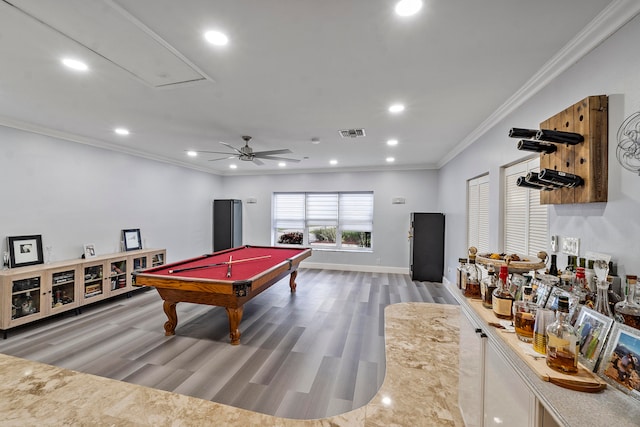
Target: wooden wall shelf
589	159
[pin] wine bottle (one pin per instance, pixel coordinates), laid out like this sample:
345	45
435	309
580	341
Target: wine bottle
560	179
522	182
537	146
522	133
559	137
534	178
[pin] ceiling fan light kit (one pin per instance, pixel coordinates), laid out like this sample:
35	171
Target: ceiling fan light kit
246	153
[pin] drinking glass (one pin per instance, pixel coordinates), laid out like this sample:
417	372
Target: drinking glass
524	313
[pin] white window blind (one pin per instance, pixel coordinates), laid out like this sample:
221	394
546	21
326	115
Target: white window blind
478	213
288	210
525	219
324	220
356	211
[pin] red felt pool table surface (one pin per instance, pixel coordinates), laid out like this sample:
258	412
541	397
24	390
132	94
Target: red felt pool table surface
206	280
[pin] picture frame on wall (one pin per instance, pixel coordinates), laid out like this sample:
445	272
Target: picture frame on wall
25	250
592	328
89	250
131	239
620	363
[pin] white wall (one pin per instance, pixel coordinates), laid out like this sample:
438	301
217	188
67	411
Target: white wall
391	222
73	194
612	227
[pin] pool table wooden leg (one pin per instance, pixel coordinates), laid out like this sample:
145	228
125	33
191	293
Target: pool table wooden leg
235	316
292	280
172	322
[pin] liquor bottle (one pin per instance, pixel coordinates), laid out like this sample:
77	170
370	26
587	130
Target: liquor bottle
473	276
628	309
487	286
461	273
502	299
579	287
602	299
560	179
559	137
590	275
562	341
522	133
536	146
553	267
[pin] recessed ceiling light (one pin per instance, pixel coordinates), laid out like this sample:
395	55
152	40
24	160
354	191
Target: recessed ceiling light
390	159
192	153
282	164
392	142
396	108
233	166
121	131
408	7
333	162
216	38
74	64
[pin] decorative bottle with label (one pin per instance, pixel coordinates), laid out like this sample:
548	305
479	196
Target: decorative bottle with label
628	310
474	275
502	301
487	286
562	341
461	274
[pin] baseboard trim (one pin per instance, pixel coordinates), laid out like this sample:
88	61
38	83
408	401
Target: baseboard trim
351	267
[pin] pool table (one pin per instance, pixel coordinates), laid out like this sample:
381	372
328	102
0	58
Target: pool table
226	278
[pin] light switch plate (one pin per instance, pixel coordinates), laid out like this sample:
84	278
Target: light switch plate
571	246
554	243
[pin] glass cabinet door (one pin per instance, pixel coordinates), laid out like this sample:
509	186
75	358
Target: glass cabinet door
25	297
93	284
157	259
63	285
118	274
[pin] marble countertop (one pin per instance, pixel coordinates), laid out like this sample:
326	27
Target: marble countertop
420	384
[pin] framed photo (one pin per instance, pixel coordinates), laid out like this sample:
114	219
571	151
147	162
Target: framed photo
592	328
620	363
552	300
25	250
89	250
131	239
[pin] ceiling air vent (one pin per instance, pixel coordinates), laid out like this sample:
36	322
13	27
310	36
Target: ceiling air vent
351	133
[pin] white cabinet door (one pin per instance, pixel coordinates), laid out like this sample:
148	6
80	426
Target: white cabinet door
471	374
507	400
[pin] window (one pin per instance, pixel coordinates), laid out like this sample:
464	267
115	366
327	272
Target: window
323	220
525	219
478	213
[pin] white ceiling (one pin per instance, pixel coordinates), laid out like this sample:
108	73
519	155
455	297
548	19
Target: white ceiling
293	70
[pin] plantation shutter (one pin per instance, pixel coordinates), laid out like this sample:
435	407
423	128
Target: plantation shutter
525	220
478	213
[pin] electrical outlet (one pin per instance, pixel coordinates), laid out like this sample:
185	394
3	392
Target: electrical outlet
571	246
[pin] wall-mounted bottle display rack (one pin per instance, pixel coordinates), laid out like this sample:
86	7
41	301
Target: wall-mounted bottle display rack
573	147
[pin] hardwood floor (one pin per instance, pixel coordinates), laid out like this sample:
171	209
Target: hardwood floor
316	353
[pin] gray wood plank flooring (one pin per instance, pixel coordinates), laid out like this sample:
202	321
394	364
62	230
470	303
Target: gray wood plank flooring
312	354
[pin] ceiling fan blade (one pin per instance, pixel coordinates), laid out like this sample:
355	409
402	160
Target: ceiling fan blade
215	152
223	158
231	146
283	159
268	153
257	162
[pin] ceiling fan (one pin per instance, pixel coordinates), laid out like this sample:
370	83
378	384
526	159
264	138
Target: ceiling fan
247	154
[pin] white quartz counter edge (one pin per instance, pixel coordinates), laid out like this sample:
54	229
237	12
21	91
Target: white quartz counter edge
569	408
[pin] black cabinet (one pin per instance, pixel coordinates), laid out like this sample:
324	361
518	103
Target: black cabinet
227	224
427	246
